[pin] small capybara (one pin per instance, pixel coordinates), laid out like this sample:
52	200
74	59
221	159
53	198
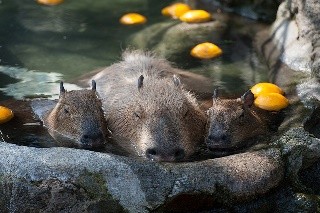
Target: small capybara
76	120
233	123
148	111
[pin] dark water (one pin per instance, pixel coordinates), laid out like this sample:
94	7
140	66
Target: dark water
72	38
41	45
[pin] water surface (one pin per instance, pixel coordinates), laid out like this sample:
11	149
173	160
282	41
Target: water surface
42	45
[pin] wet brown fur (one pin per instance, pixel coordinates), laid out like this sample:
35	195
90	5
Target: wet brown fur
161	115
77	120
232	124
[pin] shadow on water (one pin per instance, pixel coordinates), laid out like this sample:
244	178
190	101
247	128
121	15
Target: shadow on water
24	128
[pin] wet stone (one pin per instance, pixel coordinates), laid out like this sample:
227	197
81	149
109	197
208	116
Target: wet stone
64	179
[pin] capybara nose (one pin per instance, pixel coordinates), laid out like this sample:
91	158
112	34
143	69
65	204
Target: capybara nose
92	140
155	154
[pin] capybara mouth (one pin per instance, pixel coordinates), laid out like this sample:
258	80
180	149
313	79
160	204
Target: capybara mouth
219	145
96	146
221	149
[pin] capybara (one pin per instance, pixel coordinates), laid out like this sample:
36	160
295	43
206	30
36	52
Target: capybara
76	120
147	109
233	122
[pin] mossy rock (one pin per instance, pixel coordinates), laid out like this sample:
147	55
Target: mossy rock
173	40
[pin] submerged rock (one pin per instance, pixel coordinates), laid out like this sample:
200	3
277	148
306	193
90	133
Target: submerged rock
174	40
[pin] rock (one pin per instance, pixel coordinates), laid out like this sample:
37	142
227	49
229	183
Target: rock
301	150
255	9
310	177
174	40
290	48
294	38
284	199
63	179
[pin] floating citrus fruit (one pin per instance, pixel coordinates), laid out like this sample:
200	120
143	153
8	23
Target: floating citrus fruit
206	50
132	19
271	101
266	88
196	16
175	10
50	2
5	114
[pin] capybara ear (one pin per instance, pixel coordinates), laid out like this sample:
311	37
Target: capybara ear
247	98
215	94
140	82
176	80
62	90
94	85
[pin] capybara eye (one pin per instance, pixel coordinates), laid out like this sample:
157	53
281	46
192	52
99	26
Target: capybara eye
137	115
186	113
66	110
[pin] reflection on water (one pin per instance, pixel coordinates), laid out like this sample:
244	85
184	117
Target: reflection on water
33	84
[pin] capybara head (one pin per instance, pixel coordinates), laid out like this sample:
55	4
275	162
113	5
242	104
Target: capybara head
231	122
164	122
78	120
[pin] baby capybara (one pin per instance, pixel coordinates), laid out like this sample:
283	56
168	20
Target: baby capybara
233	123
77	120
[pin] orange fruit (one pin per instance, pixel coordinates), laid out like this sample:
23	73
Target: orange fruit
206	50
196	16
133	19
5	114
266	88
175	10
271	101
50	2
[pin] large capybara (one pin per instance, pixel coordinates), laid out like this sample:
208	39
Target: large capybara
76	120
147	109
235	123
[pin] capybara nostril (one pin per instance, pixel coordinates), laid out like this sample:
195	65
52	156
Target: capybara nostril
151	153
211	137
179	154
92	139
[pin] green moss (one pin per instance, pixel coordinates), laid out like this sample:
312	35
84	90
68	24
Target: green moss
95	187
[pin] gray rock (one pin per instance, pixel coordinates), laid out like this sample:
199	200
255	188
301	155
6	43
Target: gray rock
292	46
300	149
70	180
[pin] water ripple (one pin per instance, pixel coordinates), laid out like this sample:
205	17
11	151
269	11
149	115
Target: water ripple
33	83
